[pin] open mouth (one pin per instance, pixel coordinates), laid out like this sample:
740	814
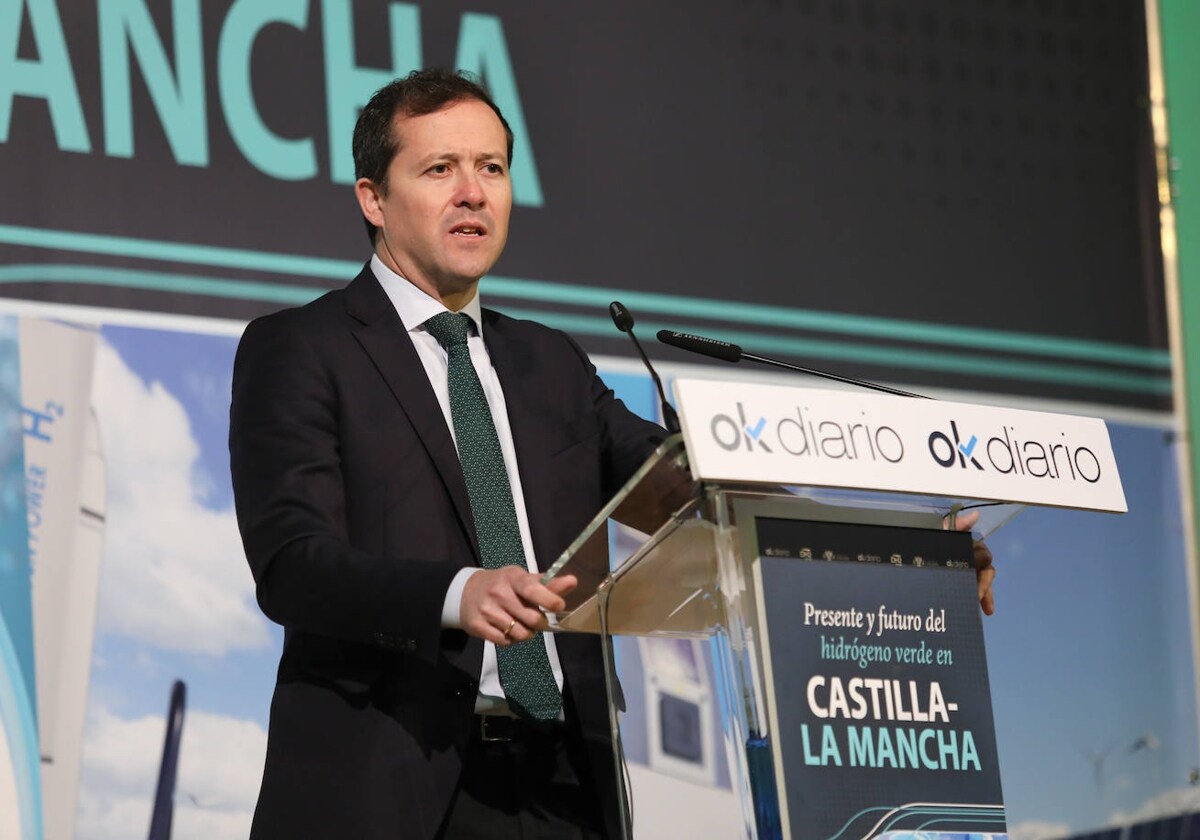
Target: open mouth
468	230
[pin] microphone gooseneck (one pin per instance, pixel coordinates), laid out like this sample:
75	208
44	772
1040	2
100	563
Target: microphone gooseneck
624	322
727	352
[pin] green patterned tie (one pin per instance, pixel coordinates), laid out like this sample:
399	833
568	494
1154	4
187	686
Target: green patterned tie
525	672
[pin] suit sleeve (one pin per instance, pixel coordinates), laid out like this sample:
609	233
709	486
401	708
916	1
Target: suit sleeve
285	443
627	438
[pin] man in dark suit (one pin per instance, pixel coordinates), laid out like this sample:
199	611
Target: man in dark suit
416	697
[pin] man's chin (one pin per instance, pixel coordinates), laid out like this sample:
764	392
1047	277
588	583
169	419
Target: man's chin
460	284
468	272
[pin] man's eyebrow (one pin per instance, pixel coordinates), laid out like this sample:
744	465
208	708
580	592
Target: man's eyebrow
455	157
436	156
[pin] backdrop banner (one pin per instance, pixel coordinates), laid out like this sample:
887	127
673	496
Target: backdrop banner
887	189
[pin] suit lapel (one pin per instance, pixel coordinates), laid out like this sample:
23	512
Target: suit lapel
380	332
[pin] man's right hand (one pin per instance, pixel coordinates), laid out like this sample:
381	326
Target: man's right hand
505	605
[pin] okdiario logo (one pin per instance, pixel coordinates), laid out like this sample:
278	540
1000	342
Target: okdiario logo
946	453
1007	454
807	435
729	433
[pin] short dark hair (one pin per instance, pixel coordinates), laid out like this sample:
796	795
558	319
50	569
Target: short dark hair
419	93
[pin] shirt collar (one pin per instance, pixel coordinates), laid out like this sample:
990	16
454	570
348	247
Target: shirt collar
414	306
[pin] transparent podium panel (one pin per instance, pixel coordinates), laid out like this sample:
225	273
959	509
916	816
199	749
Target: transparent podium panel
654	497
694	603
668	591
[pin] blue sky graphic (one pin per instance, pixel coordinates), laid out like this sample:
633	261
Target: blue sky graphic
131	677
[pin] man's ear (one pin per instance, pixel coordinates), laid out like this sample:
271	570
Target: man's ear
370	199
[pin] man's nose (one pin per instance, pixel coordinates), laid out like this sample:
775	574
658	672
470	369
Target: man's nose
470	191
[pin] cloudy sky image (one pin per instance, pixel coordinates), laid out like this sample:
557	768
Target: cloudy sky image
176	597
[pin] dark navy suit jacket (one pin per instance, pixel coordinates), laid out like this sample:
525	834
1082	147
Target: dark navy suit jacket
355	517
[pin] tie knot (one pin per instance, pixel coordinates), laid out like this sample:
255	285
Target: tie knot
449	328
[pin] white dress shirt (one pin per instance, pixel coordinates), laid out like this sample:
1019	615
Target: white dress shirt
415	308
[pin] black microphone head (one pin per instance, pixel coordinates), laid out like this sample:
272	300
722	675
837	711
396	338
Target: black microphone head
620	316
703	345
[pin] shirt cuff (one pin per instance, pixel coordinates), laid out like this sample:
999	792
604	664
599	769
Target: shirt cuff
452	606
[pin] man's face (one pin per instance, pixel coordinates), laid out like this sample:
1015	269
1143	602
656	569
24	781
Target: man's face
444	219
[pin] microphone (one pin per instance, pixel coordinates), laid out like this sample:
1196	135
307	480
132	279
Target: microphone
624	322
728	352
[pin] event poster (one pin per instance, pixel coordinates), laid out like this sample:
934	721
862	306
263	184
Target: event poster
877	684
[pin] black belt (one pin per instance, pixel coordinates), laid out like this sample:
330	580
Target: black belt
503	728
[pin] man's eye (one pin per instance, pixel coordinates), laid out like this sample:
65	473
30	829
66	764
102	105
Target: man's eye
494	168
439	169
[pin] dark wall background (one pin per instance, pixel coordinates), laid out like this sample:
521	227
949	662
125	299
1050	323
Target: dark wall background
975	178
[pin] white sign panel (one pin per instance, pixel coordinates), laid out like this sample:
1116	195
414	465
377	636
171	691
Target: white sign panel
768	433
56	396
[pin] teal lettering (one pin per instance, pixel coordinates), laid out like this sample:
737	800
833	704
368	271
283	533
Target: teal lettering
483	51
348	86
948	749
125	26
862	746
902	748
884	751
906	747
928	735
50	77
830	754
829	747
809	757
969	754
290	160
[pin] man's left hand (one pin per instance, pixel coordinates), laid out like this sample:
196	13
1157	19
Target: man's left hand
985	572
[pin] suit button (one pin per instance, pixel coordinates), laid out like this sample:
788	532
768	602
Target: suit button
388	641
